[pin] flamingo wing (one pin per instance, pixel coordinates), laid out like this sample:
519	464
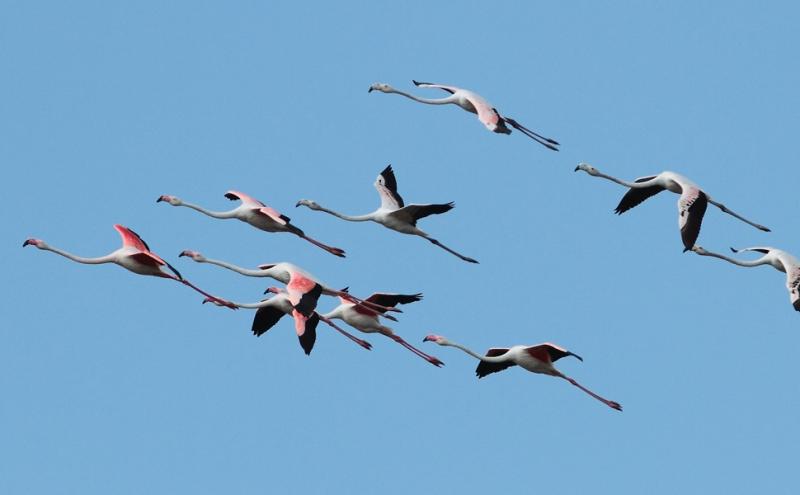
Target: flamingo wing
486	368
306	328
266	317
691	207
131	238
387	190
303	293
390	300
244	198
273	214
636	196
449	89
549	353
412	213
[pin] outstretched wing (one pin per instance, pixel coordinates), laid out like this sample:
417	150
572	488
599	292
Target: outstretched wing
273	214
303	293
691	208
485	368
635	196
391	300
266	318
244	198
387	190
306	328
449	89
549	353
412	213
131	238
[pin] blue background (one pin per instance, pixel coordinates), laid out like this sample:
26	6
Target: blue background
114	383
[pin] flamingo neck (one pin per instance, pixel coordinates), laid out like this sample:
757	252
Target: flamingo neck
486	359
428	101
109	258
349	218
633	185
238	269
760	261
214	214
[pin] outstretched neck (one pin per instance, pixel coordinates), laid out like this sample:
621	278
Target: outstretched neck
238	269
486	359
429	101
109	258
760	261
214	214
349	218
635	185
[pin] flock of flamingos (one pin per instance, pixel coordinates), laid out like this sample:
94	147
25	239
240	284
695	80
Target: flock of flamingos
302	290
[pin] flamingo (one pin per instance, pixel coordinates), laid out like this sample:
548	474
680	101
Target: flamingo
537	359
269	312
473	103
691	205
777	258
255	213
365	319
393	213
134	255
282	272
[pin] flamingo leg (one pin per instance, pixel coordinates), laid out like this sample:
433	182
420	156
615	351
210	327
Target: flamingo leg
431	359
609	403
547	142
363	343
465	258
222	302
725	209
333	250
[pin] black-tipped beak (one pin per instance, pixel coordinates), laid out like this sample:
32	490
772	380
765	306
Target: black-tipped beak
183	253
160	199
734	250
26	243
298	204
577	168
266	290
369	90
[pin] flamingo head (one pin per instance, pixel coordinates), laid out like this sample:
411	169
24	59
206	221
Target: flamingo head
586	168
174	201
193	254
699	250
309	203
34	242
382	87
436	339
274	290
209	300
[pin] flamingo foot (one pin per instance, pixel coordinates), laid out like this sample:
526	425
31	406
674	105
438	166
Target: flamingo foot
614	405
434	361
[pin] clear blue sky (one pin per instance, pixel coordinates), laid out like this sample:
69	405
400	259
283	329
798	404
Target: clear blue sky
113	383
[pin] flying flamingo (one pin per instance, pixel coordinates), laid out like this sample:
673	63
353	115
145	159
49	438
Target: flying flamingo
393	213
691	205
134	255
255	213
537	359
365	318
282	272
472	103
269	312
780	260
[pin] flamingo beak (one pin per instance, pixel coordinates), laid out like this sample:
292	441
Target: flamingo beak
577	168
298	204
161	198
370	89
184	253
27	243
